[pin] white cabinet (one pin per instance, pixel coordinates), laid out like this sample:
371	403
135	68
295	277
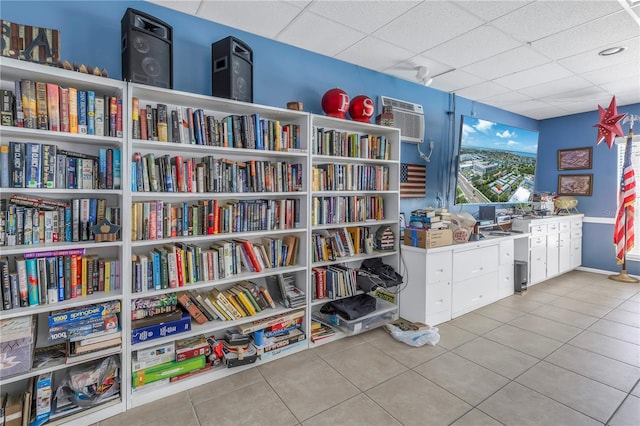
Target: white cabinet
554	247
446	282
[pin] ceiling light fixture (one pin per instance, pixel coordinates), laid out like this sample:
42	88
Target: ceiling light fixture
612	51
422	75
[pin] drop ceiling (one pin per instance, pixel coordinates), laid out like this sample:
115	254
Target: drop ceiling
535	58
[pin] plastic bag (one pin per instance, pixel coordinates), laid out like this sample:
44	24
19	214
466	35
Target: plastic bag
462	224
415	338
90	384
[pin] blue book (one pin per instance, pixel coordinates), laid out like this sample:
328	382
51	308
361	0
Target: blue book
93	215
157	282
4	166
257	130
117	169
185	219
72	173
91	113
82	112
133	177
68	224
60	278
33	165
32	281
102	168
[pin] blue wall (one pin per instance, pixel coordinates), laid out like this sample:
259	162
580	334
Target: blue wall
90	33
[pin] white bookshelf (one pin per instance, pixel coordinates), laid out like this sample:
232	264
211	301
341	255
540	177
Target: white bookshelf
14	70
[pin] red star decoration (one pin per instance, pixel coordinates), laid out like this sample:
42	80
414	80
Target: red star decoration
609	124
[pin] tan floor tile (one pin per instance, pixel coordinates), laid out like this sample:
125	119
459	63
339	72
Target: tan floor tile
539	296
636	390
578	392
496	357
338	345
607	289
476	417
571	304
451	336
477	324
519	303
617	330
312	389
407	355
359	410
232	408
291	363
595	298
630	306
566	316
467	380
169	411
414	400
546	327
366	366
228	384
625	317
532	344
597	367
549	287
517	405
608	346
628	413
498	312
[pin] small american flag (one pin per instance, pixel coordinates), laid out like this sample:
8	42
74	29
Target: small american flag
624	239
413	180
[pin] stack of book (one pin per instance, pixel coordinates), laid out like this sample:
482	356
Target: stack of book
321	330
283	286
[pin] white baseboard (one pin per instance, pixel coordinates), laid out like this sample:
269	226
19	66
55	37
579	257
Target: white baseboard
601	271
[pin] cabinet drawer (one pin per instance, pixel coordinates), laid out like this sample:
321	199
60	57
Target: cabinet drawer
470	263
576	223
538	230
438	298
439	267
505	280
553	227
565	225
474	292
540	241
576	232
506	252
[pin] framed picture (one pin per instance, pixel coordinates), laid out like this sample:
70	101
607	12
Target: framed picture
575	184
576	158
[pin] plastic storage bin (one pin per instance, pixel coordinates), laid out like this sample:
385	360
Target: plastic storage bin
385	313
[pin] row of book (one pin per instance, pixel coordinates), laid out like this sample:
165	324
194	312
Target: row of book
47	106
346	209
166	123
333	282
154	220
179	174
349	177
344	144
41	278
180	264
332	244
320	330
26	220
45	166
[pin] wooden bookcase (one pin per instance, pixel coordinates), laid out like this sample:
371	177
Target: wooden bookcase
14	70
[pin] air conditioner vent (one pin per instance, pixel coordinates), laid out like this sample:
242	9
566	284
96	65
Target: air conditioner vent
407	116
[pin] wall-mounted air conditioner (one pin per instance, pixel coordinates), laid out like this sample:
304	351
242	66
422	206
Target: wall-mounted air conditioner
407	116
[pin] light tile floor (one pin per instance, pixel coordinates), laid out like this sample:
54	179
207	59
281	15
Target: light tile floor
565	353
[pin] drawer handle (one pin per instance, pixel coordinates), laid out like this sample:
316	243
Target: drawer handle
440	270
439	302
478	270
477	298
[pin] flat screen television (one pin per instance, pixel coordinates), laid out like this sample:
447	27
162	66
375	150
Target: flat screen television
496	163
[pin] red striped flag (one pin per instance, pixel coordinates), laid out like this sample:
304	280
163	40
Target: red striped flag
624	239
413	179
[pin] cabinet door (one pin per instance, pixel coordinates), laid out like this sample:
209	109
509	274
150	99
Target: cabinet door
505	280
439	267
475	261
438	303
506	252
564	252
473	293
552	255
538	265
576	252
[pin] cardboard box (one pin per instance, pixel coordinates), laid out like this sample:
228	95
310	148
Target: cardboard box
428	238
16	345
162	330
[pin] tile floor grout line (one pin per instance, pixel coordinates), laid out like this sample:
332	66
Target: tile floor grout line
278	395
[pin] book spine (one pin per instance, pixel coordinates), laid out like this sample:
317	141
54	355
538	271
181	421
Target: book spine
18	104
53	106
4	166
91	112
82	112
73	110
41	106
99	115
65	124
34	165
135	118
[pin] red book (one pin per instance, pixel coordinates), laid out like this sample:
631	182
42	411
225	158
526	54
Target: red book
79	276
189	176
113	114
180	266
53	107
177	161
193	310
74	276
119	118
64	110
143	125
248	248
216	217
320	286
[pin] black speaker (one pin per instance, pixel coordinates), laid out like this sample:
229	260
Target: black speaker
147	50
520	273
232	70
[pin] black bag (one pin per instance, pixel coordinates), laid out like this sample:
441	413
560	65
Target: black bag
351	308
385	272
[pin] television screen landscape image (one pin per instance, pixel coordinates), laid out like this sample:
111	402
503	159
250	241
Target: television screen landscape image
496	163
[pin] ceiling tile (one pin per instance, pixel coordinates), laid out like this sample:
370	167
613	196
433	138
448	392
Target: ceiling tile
332	39
627	87
299	3
506	63
482	90
427	25
554	87
614	73
454	81
538	110
374	54
473	46
533	76
590	60
265	18
185	6
505	99
407	70
365	16
541	19
490	10
605	32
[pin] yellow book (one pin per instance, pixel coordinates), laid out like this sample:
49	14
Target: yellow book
245	301
107	276
217	307
84	275
223	301
231	298
73	110
135	118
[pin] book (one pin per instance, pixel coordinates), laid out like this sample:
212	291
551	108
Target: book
186	302
270	321
73	110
